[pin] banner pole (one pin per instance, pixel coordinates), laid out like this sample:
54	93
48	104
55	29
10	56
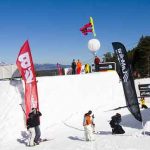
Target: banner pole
143	128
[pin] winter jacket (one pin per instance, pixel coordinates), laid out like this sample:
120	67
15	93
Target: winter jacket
33	119
87	120
73	66
115	120
96	61
87	68
142	101
79	65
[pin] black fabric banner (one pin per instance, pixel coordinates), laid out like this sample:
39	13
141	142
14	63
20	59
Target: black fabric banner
127	80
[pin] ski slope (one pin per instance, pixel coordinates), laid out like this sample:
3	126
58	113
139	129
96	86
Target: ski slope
63	101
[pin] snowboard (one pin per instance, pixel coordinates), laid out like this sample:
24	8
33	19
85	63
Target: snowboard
44	140
41	141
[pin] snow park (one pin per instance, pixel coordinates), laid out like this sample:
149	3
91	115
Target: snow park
63	102
74	75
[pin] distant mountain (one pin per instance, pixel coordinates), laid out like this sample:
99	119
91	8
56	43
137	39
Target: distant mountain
39	67
2	63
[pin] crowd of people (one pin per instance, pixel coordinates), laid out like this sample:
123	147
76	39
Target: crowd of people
77	66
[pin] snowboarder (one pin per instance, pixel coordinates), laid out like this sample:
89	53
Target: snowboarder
73	66
87	123
35	122
115	124
142	101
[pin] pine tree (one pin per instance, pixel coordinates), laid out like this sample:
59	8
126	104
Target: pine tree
141	57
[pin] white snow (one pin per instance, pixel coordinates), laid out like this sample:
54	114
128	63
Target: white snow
63	101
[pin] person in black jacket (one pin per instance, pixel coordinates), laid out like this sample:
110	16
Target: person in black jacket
73	66
34	122
115	124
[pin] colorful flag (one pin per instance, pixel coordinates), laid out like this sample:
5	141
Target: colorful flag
26	68
127	80
89	27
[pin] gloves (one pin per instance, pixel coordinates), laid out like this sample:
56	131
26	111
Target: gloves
28	127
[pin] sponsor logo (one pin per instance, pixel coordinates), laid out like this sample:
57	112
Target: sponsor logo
144	86
122	62
145	93
24	60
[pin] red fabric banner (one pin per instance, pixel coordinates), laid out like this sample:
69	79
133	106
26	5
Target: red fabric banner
26	68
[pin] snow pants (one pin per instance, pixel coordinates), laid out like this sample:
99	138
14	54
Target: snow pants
78	70
37	134
118	130
32	136
88	131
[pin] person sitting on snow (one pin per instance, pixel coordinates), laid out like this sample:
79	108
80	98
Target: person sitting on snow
115	124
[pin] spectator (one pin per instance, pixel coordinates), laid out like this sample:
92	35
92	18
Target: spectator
87	68
73	66
79	65
96	62
142	102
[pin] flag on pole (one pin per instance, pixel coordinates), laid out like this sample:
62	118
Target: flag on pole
127	80
26	68
89	27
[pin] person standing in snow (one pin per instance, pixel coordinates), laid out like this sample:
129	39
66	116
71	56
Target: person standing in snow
96	62
87	123
31	129
35	122
87	68
79	65
73	66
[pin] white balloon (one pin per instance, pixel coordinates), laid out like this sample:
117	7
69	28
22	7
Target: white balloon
94	45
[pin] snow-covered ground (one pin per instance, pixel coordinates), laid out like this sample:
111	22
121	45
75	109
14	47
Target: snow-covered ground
63	101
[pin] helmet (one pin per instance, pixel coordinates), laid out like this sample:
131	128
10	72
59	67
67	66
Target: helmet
89	112
117	114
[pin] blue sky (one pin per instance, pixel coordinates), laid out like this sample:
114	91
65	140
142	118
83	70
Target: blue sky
52	27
